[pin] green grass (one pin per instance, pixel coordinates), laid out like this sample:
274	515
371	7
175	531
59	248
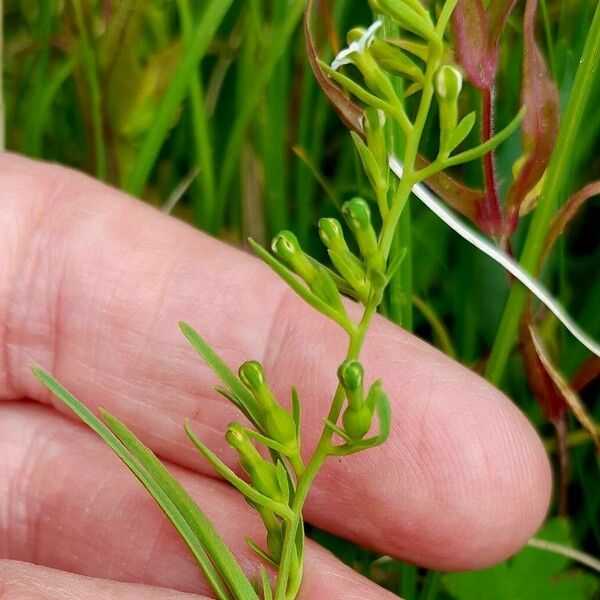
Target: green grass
222	88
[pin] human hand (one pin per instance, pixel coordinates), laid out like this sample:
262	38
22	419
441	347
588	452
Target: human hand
92	285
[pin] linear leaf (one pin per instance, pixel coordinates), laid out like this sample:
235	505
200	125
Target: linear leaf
224	373
161	498
216	548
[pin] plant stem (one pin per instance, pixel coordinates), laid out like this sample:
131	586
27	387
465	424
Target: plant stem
492	213
553	194
400	286
319	456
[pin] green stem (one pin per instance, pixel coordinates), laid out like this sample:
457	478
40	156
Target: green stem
552	194
400	287
319	456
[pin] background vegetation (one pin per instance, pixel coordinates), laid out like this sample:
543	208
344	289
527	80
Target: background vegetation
214	113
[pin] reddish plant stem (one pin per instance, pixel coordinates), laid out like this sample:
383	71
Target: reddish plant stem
560	429
491	212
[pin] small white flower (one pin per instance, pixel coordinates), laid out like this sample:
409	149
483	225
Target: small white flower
358	46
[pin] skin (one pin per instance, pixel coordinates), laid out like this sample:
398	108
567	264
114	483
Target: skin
92	284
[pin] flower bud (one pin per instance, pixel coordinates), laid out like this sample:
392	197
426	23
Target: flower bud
253	377
277	422
358	215
348	265
286	247
280	426
275	543
332	235
448	85
374	123
394	61
275	532
262	473
350	375
409	14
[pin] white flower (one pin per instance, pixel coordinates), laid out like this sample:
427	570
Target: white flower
358	46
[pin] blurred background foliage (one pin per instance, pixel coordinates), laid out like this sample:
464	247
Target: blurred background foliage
209	108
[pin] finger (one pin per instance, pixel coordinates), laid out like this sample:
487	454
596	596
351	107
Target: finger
26	581
67	502
94	285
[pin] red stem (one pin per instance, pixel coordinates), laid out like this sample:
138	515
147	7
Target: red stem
491	212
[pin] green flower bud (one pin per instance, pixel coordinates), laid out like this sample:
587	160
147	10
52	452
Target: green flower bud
280	426
286	247
350	375
274	533
448	85
358	215
409	14
374	123
253	377
262	473
275	543
332	235
277	423
393	60
348	265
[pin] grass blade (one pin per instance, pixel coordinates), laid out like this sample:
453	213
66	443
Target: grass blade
207	26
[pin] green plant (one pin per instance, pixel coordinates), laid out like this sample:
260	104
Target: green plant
277	487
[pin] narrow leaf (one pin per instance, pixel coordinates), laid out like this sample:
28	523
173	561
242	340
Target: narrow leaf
489	145
161	498
459	135
240	393
260	552
220	554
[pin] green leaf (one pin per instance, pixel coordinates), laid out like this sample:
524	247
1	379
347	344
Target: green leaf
532	574
300	289
217	549
384	417
239	395
296	411
192	536
266	584
460	133
487	147
260	552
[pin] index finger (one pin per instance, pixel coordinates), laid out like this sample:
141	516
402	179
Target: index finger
93	284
